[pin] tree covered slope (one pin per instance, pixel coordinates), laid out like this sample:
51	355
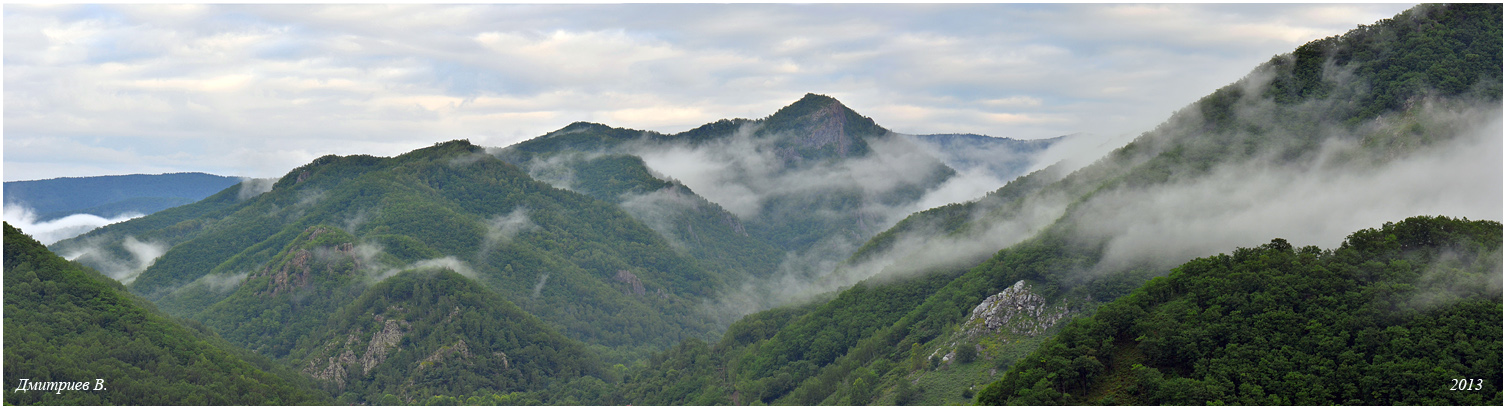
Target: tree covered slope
1395	315
814	179
67	323
433	332
696	227
1275	154
583	266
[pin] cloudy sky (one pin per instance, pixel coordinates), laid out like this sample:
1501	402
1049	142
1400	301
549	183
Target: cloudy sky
255	90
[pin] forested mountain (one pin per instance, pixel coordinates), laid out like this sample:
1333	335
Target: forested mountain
802	180
699	228
421	334
1310	146
812	181
110	196
253	269
67	323
1406	314
601	265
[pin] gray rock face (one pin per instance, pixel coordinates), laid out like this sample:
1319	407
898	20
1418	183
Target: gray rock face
635	286
1016	309
1012	314
382	344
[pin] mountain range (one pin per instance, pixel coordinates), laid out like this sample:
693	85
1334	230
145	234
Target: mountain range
814	257
111	196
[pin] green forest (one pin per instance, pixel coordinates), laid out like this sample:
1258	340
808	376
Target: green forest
67	323
1393	316
564	270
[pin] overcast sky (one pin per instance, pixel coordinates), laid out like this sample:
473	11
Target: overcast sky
255	90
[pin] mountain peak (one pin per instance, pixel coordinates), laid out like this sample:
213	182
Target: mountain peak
819	126
818	98
809	103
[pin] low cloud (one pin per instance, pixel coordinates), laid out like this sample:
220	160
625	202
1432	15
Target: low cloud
125	265
355	220
1451	276
448	262
466	159
743	173
555	170
539	288
746	175
222	282
1316	203
379	265
918	249
1312	181
660	209
52	231
501	229
255	187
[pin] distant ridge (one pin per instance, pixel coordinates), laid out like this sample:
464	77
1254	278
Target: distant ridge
1004	158
109	196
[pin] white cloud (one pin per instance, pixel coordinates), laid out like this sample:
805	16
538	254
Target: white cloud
1321	203
218	88
52	231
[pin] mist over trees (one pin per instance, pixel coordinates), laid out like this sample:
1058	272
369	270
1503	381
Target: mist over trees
1263	246
1239	165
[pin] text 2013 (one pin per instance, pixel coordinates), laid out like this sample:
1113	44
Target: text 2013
1468	384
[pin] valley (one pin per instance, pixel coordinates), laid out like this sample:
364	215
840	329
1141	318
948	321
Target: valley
1324	230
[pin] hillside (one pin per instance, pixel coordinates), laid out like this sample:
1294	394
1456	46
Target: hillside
66	323
1310	146
787	260
813	181
437	333
583	266
700	229
1393	316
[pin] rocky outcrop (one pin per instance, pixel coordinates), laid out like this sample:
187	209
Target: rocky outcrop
635	286
383	343
734	223
446	351
830	129
503	355
1017	312
297	270
1016	309
338	358
334	367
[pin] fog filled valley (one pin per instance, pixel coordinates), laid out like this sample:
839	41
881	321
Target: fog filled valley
1324	230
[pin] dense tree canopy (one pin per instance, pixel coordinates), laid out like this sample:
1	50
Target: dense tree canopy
67	323
1396	315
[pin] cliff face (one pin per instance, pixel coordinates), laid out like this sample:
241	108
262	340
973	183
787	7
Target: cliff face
1015	309
431	332
818	127
1014	315
336	260
339	357
634	285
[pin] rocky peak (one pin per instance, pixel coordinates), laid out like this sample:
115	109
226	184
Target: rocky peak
818	127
